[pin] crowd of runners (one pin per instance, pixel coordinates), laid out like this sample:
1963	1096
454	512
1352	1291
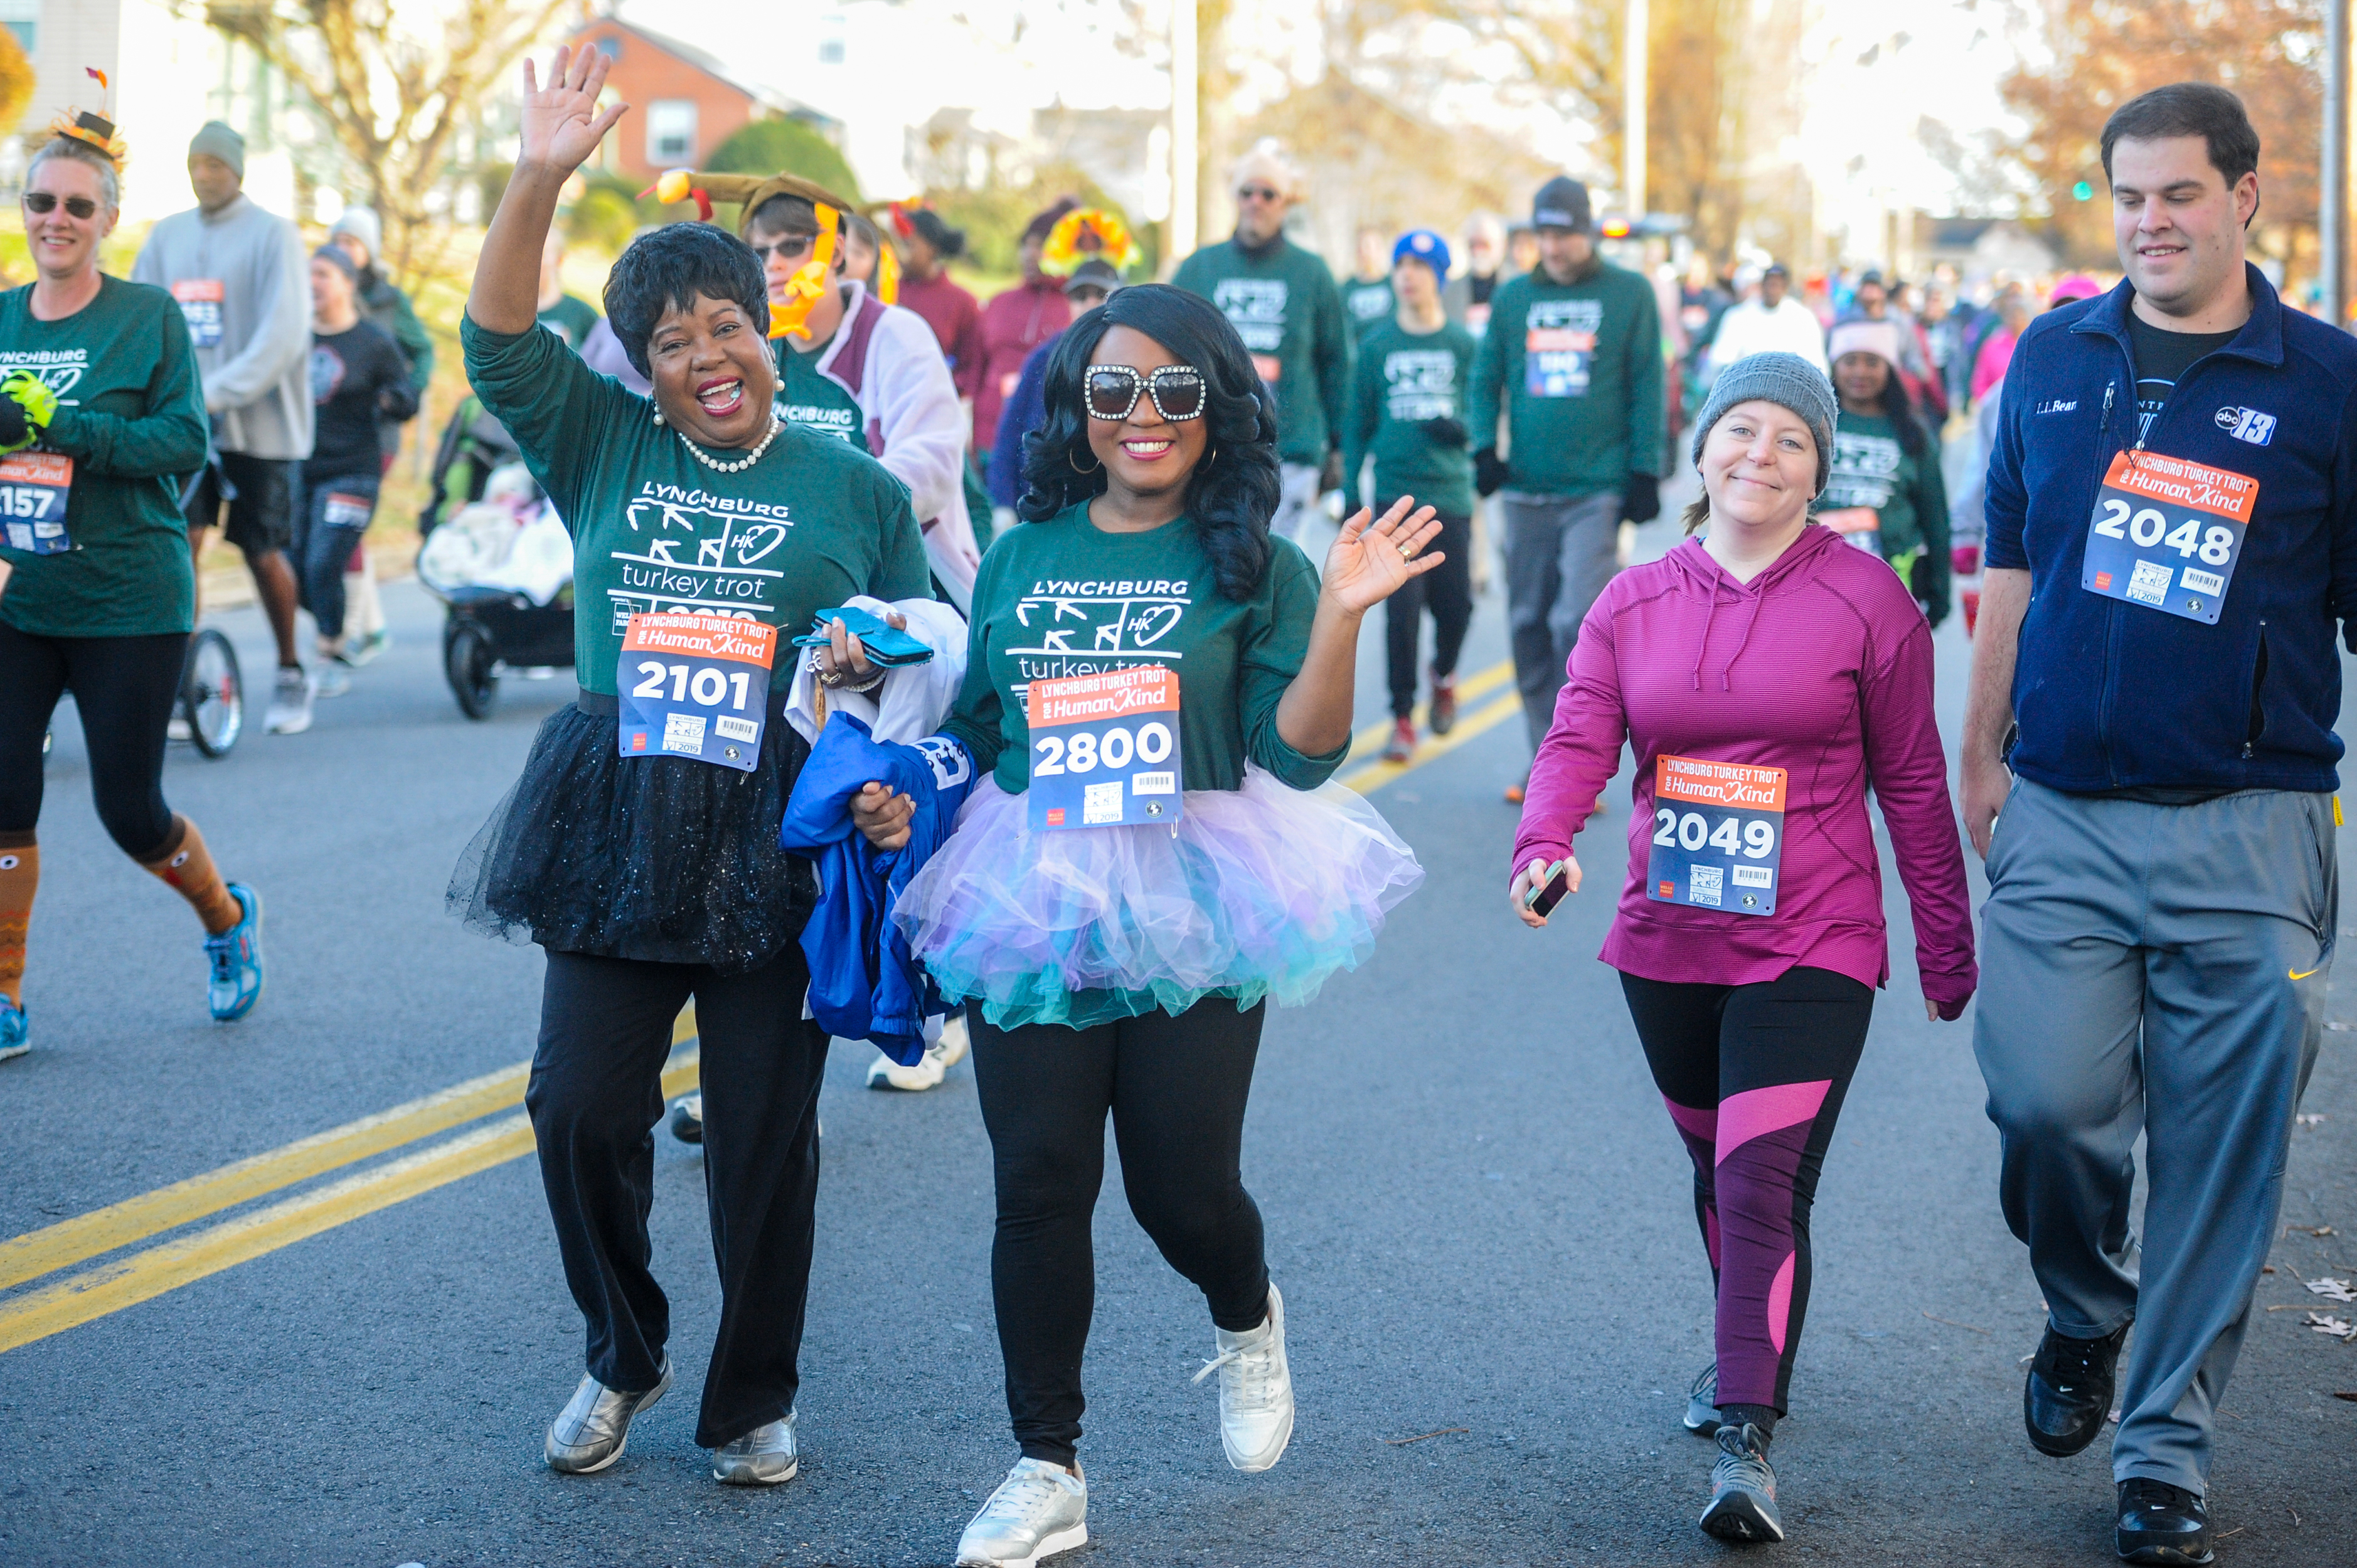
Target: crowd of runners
1038	691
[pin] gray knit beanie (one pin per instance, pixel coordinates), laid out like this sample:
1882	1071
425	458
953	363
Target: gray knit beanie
1786	379
216	140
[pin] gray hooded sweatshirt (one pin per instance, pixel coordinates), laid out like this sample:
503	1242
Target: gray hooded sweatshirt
244	283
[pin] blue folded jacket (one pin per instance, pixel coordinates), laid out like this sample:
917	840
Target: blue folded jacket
865	983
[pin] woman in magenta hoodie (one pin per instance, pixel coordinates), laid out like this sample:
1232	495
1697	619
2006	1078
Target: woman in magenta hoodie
1765	675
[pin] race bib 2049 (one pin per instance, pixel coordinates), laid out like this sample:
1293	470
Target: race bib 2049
695	686
2167	534
1104	749
1718	835
33	490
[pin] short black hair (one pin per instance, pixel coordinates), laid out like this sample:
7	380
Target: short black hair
783	215
2188	108
672	267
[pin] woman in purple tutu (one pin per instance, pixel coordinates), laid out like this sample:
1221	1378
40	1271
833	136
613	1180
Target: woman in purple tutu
1159	692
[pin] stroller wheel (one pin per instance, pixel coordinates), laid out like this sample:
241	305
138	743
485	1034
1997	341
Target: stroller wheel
469	661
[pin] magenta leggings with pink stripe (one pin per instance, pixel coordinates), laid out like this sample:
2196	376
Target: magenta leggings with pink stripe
1753	1077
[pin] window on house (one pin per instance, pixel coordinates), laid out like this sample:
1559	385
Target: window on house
671	131
611	47
22	17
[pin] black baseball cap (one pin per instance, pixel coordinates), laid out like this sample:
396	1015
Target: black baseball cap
1094	274
1562	203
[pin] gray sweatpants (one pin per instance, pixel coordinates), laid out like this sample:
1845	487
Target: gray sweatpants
2162	968
1561	550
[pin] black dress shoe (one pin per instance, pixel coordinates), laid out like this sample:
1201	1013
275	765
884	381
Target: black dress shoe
2068	1395
2161	1523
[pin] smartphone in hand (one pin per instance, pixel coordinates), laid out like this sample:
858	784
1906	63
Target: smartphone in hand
1541	900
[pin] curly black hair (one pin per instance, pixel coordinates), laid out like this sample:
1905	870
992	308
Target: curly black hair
669	270
1233	490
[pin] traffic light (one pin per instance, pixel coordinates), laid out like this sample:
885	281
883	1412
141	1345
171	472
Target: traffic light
2082	192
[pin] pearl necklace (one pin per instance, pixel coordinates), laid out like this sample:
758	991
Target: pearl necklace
738	466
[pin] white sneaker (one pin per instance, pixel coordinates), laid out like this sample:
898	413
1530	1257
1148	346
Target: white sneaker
175	728
1039	1510
1255	1391
331	680
290	702
942	1052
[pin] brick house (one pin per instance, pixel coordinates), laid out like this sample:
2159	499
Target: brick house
685	102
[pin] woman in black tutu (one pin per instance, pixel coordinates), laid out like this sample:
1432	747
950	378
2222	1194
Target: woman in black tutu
641	846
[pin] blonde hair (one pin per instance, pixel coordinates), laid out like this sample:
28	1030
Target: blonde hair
81	152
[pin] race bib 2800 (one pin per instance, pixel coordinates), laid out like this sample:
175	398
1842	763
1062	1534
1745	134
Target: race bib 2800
1104	749
2167	534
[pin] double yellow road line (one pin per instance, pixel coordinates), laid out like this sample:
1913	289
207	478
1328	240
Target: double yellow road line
147	1268
144	1275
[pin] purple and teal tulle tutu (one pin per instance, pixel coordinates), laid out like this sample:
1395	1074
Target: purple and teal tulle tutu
1258	892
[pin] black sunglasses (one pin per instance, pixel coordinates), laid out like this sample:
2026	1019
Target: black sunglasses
76	206
793	247
1177	391
1258	193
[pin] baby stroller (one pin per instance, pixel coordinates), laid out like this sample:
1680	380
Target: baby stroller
502	566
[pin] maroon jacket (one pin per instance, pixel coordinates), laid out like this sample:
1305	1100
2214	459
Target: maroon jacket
1013	324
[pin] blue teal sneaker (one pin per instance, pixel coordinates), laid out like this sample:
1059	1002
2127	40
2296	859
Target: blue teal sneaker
13	1030
236	959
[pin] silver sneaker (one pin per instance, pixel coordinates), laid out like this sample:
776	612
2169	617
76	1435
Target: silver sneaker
1255	1391
1702	1403
1742	1488
591	1431
290	702
1039	1510
762	1457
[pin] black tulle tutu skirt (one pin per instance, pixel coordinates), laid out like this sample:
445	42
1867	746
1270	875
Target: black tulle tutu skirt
643	857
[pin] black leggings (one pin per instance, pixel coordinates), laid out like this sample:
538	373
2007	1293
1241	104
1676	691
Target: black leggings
1177	1088
1753	1077
124	688
596	1094
1448	592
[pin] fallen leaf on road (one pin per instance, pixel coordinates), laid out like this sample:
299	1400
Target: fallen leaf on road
1443	1432
1954	1324
2349	1394
2330	1323
2336	1290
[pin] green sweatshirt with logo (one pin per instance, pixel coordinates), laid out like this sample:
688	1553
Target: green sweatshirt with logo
1576	368
814	522
1872	468
1284	305
131	417
1404	381
1064	597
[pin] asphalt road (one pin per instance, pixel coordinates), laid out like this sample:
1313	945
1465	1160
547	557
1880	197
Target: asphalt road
1476	1206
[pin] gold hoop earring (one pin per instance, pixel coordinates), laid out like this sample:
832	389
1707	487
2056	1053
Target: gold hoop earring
1076	463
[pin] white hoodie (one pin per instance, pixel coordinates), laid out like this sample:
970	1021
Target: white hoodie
889	360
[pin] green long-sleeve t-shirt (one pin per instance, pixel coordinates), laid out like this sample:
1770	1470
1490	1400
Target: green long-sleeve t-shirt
814	522
1871	467
131	417
1064	597
1405	379
1577	368
1283	303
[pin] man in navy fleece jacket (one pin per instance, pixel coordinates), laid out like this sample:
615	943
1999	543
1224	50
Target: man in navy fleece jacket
2172	544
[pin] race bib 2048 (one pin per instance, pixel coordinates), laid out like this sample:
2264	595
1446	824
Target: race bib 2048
2167	534
1104	749
1718	835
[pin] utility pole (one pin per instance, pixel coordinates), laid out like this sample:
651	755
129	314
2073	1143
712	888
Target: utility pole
1636	59
2332	204
1185	131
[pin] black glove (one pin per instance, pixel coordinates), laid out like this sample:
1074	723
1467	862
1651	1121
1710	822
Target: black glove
1489	471
16	430
1642	501
1450	433
1331	478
